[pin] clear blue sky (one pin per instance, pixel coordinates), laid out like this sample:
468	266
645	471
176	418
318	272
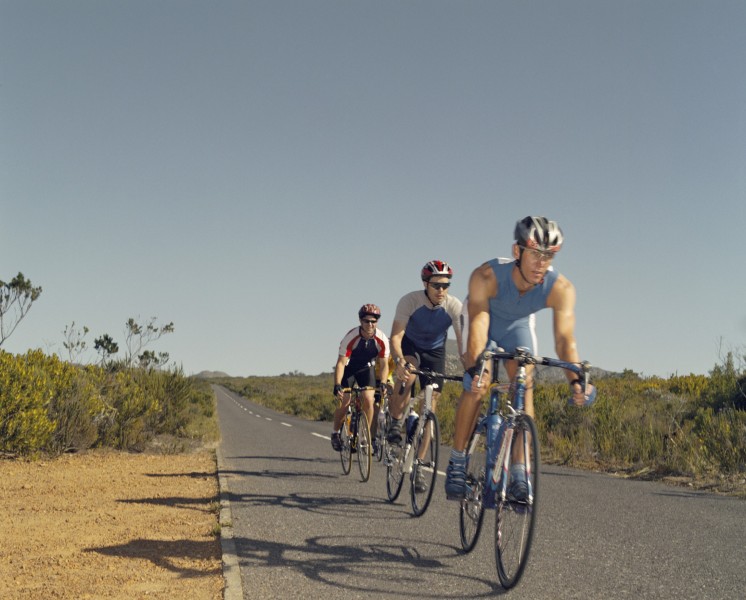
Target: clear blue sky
255	171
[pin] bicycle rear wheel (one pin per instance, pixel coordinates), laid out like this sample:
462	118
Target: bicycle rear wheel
363	446
425	468
516	513
345	454
471	514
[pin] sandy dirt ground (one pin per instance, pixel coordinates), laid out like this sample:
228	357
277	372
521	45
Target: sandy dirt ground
110	525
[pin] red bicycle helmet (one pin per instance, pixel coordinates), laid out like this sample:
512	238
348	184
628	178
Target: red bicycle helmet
437	268
369	309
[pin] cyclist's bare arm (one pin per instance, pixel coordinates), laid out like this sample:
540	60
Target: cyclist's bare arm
482	287
397	334
339	370
562	301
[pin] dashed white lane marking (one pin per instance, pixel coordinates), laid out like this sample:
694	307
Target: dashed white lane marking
319	435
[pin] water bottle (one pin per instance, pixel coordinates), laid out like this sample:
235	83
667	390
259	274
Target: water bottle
353	421
412	420
494	437
381	422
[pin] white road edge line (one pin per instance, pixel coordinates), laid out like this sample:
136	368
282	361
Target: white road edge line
231	571
323	437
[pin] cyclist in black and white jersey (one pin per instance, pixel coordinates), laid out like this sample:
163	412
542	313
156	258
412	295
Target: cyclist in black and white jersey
359	351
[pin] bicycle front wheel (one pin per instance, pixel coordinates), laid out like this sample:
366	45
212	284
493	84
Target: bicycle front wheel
345	454
380	441
394	470
425	469
363	446
471	514
516	512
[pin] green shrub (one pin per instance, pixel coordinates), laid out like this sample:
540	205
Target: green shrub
52	406
76	406
26	392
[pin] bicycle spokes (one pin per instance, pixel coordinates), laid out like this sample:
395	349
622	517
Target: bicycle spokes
425	464
516	511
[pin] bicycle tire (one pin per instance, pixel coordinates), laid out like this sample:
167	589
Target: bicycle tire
515	519
364	446
394	471
378	450
471	514
345	453
381	439
428	465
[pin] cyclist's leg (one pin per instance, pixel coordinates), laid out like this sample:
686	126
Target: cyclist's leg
522	334
467	413
366	379
400	398
368	397
339	414
525	336
431	360
340	411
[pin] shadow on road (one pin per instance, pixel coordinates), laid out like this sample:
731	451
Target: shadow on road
374	565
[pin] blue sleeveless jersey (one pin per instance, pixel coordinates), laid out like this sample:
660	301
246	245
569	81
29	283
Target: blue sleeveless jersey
509	310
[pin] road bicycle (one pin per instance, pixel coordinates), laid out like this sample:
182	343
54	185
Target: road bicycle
505	443
355	435
384	419
419	457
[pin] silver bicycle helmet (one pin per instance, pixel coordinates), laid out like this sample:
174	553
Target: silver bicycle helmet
539	233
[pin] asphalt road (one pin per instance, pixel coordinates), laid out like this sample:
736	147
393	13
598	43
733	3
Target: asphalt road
302	529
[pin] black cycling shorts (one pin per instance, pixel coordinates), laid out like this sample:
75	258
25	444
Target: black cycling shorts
362	373
433	360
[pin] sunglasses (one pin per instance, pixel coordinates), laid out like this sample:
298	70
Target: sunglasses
369	321
539	255
440	286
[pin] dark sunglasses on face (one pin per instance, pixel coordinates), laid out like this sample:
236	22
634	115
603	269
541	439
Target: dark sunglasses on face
369	321
440	286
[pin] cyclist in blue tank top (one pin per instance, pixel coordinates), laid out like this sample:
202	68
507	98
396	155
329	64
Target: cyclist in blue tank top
503	297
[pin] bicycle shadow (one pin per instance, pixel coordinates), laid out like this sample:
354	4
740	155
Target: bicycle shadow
369	507
372	565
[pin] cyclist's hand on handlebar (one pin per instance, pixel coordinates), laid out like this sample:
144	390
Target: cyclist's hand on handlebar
473	377
581	396
338	391
402	370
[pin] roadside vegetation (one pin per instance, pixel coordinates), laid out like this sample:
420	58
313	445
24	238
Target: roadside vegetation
51	406
687	429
